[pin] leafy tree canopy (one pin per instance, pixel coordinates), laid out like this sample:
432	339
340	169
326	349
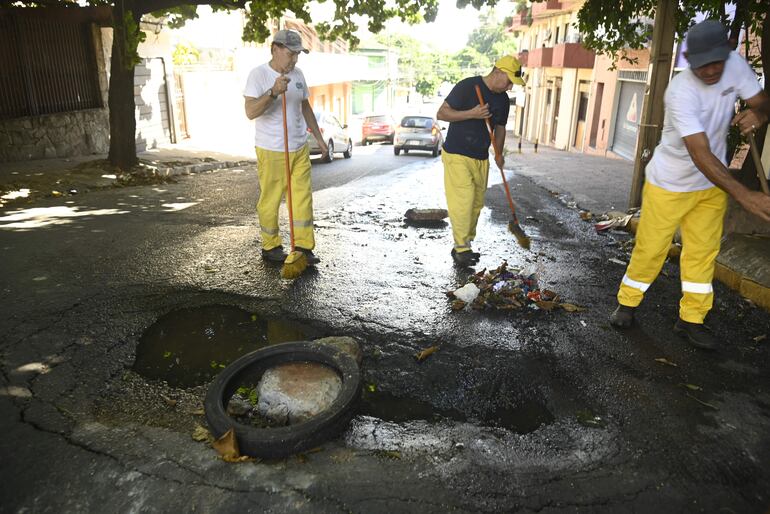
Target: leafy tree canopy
612	27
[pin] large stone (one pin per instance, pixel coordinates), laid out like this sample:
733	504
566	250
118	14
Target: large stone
294	392
346	344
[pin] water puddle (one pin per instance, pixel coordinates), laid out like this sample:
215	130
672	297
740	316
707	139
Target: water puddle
188	347
522	419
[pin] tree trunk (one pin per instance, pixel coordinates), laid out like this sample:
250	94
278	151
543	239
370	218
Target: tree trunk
748	174
121	94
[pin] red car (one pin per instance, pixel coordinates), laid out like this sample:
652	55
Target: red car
378	128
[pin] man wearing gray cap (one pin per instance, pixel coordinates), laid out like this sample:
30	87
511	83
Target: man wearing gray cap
687	181
265	85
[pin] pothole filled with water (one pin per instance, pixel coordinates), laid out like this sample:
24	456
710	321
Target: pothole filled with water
188	347
524	418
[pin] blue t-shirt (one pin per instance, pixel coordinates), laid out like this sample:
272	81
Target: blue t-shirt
471	137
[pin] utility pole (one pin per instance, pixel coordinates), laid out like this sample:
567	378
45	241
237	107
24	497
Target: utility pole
651	124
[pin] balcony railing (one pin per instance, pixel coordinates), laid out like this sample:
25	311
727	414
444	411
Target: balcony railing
540	57
572	55
541	7
522	19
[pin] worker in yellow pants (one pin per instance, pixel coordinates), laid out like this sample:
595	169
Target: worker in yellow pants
688	180
276	95
465	183
271	169
699	213
465	152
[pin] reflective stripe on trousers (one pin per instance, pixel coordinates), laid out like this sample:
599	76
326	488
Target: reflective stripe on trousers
699	215
271	170
465	183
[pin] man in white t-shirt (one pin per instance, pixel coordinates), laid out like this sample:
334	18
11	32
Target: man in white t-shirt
264	87
688	181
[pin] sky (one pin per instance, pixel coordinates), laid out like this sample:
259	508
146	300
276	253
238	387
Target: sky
449	31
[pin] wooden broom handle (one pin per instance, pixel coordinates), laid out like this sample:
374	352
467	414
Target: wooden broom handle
288	171
497	154
758	164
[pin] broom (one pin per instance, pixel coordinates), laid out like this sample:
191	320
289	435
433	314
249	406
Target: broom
513	225
295	262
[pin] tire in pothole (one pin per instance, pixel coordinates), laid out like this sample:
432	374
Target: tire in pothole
278	442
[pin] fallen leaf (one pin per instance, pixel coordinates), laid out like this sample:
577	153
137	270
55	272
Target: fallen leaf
458	305
198	412
760	338
546	305
227	445
201	434
388	454
702	402
571	307
168	401
693	387
667	362
241	458
586	215
426	353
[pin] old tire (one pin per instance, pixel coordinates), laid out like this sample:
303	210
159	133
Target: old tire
279	442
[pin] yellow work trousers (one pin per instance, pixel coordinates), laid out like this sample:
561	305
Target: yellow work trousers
700	214
271	169
465	183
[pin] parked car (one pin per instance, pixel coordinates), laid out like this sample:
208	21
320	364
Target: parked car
378	128
418	133
334	133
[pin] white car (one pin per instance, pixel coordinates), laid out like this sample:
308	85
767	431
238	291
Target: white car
335	135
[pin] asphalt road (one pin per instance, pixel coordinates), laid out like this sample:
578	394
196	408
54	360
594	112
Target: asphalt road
534	411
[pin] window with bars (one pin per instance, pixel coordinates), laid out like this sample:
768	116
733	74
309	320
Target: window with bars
46	66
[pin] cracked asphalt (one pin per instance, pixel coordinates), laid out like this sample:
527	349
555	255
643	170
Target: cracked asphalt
676	430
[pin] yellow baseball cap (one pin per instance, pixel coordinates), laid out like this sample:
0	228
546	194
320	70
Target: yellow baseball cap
512	67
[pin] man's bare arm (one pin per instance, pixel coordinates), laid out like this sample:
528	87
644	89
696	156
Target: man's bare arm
753	201
447	113
756	115
256	107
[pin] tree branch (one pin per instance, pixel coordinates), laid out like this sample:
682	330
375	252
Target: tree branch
148	6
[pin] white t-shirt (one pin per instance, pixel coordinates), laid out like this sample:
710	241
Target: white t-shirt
692	107
268	128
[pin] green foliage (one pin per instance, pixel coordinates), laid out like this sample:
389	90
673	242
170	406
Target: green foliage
612	27
490	38
185	54
134	36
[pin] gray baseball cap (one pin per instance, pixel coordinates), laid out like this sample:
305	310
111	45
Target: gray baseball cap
707	43
290	39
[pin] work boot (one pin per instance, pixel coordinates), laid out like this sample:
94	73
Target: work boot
622	317
696	334
463	259
312	260
274	254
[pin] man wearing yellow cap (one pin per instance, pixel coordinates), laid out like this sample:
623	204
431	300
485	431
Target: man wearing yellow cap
466	148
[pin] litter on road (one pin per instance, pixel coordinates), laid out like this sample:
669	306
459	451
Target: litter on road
506	289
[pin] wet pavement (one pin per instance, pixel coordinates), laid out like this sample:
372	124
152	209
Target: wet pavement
525	410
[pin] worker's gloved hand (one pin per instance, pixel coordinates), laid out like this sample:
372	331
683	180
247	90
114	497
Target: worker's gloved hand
749	120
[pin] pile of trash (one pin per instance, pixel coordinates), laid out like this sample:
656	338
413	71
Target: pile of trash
506	289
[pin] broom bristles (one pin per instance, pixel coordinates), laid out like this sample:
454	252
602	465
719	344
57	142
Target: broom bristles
521	237
294	265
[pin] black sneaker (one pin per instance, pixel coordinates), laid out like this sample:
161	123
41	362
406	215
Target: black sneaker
696	334
463	259
274	254
312	260
622	317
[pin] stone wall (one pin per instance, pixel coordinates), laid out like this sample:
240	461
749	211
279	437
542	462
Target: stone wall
55	135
